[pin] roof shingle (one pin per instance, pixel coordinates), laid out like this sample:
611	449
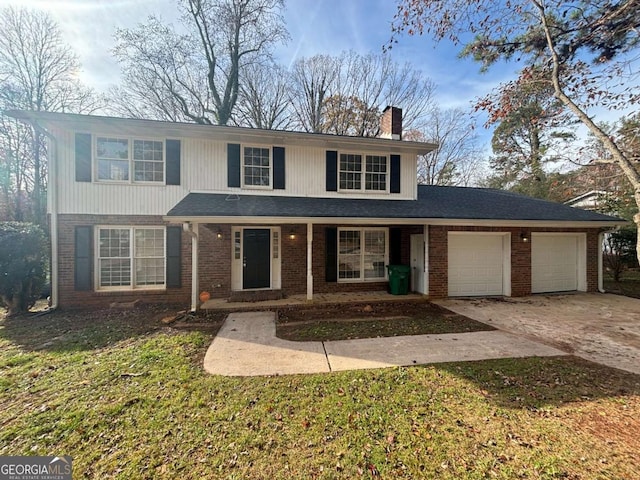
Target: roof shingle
434	202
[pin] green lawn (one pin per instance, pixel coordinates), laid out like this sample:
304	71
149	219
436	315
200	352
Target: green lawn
127	398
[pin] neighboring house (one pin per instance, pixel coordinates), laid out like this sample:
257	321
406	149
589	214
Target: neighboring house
592	200
161	211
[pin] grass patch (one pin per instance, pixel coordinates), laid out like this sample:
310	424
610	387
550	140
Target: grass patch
385	319
628	286
127	398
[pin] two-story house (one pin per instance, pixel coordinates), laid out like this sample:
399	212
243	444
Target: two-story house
161	211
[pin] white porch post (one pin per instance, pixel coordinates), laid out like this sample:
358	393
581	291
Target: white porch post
425	234
309	261
193	229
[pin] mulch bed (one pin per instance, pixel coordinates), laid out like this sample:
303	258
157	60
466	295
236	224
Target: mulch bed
370	320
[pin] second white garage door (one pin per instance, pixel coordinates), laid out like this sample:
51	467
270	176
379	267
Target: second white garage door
477	264
556	264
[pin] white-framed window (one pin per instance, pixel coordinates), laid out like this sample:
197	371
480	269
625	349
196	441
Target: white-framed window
363	172
130	257
256	167
350	171
375	177
129	160
362	254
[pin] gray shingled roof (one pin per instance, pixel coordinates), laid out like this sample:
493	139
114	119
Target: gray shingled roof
433	202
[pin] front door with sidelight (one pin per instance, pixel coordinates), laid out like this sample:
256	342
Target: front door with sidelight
256	261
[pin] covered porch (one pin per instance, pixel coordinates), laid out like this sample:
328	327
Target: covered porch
265	264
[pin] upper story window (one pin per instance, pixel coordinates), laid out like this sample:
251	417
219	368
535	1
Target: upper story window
116	158
363	172
375	173
256	167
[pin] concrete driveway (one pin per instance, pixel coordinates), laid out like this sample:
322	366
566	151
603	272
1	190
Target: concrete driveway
602	328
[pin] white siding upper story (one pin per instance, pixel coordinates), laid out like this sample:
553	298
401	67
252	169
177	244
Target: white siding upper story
203	168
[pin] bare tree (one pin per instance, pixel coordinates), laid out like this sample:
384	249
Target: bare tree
263	100
37	72
458	156
346	94
312	83
195	76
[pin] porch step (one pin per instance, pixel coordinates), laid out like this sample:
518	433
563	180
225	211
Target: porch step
256	296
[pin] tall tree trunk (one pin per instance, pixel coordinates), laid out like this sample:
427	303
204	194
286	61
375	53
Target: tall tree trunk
618	156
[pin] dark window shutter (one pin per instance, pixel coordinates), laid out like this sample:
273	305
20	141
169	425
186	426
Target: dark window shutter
174	257
394	183
332	171
83	258
83	157
173	162
395	246
233	165
331	254
278	168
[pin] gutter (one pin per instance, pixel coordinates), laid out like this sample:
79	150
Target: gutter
600	263
262	219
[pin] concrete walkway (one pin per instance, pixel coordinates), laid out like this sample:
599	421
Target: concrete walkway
247	345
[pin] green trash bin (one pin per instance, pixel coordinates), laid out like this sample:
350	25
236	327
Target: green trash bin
399	279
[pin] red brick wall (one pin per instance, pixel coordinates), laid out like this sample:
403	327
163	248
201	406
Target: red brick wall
68	297
214	261
592	259
438	262
293	263
520	263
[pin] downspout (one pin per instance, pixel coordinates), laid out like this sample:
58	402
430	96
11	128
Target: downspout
600	261
53	206
192	230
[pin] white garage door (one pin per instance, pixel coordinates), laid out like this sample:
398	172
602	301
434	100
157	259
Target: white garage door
554	263
476	265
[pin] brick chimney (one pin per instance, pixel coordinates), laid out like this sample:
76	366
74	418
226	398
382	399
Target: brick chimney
391	123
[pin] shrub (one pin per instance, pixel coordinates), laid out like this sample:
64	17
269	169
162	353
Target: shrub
23	261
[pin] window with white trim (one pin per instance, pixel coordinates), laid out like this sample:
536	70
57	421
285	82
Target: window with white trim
131	257
362	254
352	169
115	160
256	167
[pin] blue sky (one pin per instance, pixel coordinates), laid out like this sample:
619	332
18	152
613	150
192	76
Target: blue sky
315	26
